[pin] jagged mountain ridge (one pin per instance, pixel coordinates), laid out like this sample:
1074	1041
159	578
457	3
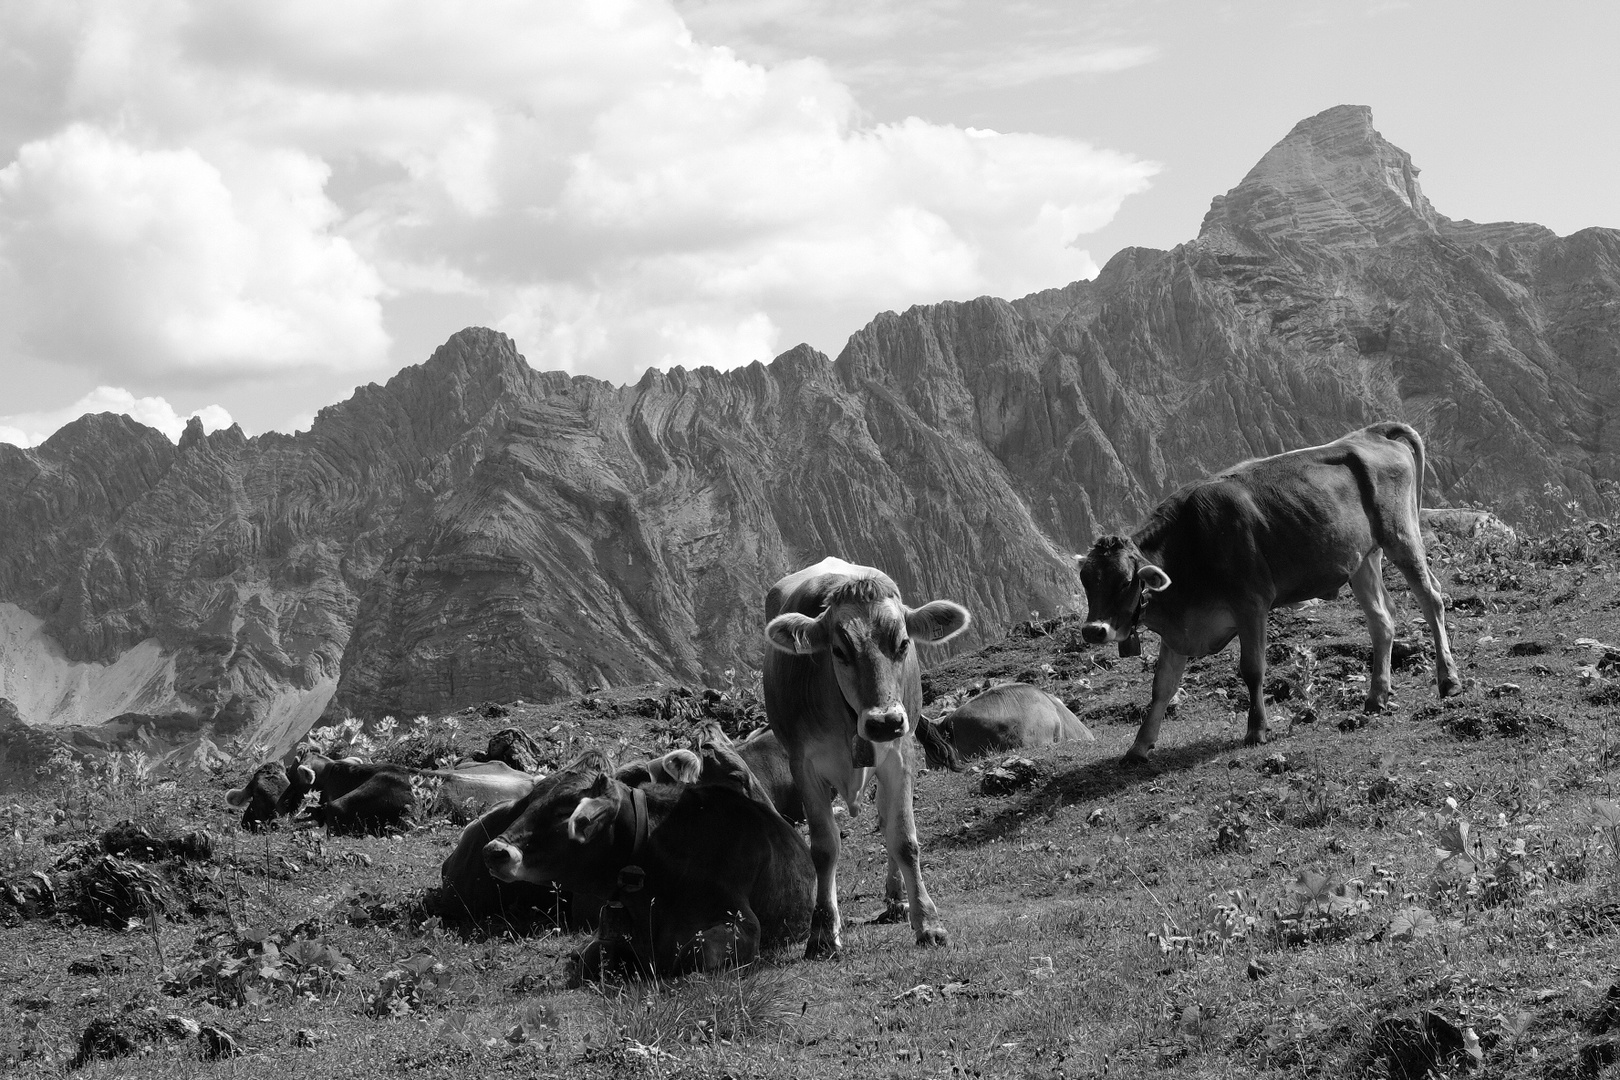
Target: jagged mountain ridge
475	528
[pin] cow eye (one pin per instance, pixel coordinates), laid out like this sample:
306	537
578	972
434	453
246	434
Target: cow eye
839	654
900	649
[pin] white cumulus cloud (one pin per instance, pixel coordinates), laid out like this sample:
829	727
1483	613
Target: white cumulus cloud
31	429
210	192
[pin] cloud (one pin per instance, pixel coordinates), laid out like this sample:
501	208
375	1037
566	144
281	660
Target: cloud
152	260
31	429
214	191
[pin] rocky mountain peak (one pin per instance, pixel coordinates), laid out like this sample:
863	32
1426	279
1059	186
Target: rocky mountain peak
1333	181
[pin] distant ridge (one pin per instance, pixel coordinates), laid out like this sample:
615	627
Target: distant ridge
476	529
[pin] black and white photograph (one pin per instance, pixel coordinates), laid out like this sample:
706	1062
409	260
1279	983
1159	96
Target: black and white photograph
810	539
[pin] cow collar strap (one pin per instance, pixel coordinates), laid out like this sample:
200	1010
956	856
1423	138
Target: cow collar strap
638	807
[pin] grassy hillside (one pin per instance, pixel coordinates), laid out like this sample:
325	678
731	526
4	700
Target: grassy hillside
1436	885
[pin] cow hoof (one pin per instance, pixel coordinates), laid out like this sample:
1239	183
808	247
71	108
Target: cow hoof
895	912
821	950
933	935
1134	758
1450	686
1255	738
1375	704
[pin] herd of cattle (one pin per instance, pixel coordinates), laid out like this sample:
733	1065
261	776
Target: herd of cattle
693	860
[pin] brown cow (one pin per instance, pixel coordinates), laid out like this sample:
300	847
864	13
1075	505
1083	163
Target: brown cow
843	692
1011	716
1216	556
697	875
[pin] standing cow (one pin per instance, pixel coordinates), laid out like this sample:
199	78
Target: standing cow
1216	556
843	692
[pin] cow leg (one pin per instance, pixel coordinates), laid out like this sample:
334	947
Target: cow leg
1413	564
733	942
1252	666
894	886
1167	672
1368	585
826	929
900	837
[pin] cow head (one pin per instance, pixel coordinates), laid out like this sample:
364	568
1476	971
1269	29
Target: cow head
868	633
1117	578
565	829
260	797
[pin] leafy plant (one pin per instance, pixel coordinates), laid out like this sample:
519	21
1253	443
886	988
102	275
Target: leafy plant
257	968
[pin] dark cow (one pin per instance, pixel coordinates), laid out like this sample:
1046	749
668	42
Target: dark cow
1216	556
1012	716
694	876
468	889
358	795
843	692
260	797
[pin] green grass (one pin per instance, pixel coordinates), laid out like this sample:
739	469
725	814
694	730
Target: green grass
1223	913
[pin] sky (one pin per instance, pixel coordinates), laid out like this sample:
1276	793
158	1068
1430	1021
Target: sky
242	211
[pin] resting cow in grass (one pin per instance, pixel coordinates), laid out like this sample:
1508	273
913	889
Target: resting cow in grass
693	876
357	795
1216	556
1010	717
843	692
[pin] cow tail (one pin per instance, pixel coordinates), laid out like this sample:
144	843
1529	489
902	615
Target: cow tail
1408	434
937	750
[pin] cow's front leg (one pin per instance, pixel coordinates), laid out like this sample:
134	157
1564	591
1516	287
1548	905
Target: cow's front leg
894	886
900	837
1252	666
1167	672
733	942
826	929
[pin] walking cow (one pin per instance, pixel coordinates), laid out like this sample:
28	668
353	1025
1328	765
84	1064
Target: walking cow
1216	556
843	692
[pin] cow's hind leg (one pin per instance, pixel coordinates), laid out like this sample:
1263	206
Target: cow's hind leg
1368	585
1167	672
826	931
1251	627
900	837
1409	557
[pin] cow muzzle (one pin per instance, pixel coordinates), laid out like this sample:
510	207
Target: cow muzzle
503	860
883	725
1095	633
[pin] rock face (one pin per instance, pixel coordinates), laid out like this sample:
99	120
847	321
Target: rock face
475	529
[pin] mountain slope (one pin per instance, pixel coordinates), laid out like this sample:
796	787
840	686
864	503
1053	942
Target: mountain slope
476	529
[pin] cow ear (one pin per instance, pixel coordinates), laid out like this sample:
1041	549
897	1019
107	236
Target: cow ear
237	796
1080	561
794	633
589	818
936	621
306	775
1152	578
681	766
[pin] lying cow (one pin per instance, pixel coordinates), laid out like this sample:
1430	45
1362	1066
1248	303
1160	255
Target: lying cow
1012	716
469	889
359	795
695	876
261	797
1216	556
843	692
